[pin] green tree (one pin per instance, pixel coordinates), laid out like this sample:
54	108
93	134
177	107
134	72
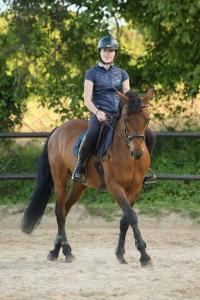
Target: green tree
58	44
12	84
55	42
172	30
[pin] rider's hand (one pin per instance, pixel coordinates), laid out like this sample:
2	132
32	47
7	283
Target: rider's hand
101	115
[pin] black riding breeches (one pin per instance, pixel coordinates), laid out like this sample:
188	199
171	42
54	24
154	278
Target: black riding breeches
92	134
150	139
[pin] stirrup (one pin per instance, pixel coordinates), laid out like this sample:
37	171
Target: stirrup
150	179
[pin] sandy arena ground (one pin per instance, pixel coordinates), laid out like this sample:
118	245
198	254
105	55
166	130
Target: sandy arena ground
25	273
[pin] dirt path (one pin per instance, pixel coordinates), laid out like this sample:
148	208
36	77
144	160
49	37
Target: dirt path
173	243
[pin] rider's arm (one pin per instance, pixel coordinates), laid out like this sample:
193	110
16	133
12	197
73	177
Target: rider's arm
88	91
125	86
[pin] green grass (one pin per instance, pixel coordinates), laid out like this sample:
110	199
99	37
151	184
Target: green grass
171	155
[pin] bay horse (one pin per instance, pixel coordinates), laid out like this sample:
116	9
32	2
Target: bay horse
124	172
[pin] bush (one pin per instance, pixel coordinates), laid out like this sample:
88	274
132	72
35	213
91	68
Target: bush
171	155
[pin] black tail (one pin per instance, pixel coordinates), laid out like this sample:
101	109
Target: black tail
40	197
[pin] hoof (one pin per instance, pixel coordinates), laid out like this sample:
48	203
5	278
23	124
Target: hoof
145	260
121	259
51	256
69	258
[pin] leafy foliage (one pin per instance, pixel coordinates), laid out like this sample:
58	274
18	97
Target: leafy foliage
12	85
49	45
172	30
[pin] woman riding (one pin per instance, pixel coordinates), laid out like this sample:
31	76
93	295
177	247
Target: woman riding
100	96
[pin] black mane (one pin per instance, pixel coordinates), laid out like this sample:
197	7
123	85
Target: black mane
134	102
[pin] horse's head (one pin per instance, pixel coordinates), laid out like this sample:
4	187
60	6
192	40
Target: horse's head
136	120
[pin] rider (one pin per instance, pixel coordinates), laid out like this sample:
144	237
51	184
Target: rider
100	97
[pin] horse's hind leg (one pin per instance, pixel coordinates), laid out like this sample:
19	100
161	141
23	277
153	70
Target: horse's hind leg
60	193
63	205
120	250
72	197
53	254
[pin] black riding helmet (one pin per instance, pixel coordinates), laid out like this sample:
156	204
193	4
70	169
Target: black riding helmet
108	42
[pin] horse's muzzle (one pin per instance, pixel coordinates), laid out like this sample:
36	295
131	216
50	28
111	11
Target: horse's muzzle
137	154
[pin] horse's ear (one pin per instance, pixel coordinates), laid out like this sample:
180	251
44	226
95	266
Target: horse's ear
149	95
124	99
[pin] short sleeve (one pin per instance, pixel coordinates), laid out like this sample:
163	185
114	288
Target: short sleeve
89	75
124	75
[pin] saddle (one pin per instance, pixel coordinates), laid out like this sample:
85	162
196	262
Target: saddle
104	141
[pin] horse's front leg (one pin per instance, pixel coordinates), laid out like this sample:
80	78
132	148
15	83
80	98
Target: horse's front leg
120	249
121	198
124	225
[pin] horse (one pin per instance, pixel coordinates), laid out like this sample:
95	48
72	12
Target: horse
124	171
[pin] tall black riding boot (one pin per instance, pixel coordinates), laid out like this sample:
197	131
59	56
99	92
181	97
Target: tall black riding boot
84	154
150	139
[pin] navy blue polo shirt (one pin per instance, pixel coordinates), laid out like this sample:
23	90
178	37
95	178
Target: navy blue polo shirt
105	84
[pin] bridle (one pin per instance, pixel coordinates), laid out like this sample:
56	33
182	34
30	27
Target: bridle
127	136
130	137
